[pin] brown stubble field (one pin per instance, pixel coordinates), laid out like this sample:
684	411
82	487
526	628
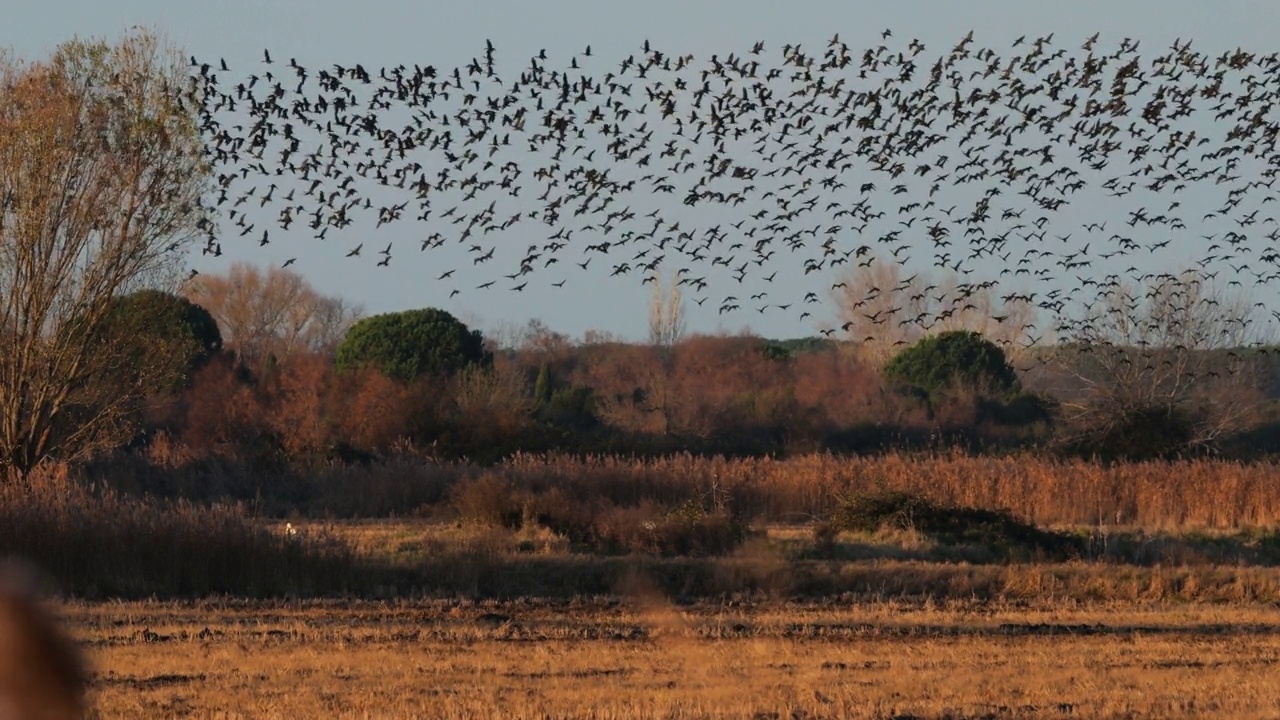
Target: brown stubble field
641	656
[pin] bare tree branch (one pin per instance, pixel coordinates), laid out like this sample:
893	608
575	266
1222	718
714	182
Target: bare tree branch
1177	349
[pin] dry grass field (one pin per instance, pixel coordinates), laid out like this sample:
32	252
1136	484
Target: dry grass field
641	657
1126	591
1057	640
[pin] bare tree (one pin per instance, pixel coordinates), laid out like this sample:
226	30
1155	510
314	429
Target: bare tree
882	311
276	313
101	175
330	318
1174	358
666	313
486	389
539	339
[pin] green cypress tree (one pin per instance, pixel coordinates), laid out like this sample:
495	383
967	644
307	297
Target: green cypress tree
542	388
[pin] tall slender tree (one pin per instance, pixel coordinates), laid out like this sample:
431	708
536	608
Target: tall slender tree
666	313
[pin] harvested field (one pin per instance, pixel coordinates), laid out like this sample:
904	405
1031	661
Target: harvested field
644	657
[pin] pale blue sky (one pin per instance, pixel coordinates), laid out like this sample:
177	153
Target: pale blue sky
445	34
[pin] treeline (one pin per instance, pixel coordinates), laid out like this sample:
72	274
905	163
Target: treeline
276	392
722	395
405	383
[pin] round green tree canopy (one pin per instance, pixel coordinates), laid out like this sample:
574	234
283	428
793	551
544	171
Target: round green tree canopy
161	336
172	317
958	357
405	345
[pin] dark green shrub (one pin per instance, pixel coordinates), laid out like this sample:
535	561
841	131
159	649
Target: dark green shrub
405	345
775	351
572	408
163	337
942	361
1021	409
566	408
542	387
794	347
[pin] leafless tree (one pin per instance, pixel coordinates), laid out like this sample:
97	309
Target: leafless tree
101	174
666	313
540	340
1178	349
273	313
484	389
882	311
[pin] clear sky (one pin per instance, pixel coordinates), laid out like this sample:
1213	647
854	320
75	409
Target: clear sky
444	33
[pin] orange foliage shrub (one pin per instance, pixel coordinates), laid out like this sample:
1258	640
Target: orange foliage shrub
222	413
374	410
300	414
727	384
630	384
844	390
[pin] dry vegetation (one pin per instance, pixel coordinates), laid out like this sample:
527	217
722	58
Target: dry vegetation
1152	496
558	526
1167	612
697	526
642	657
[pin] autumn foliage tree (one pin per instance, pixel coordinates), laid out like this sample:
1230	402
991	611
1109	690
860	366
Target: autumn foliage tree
271	314
101	175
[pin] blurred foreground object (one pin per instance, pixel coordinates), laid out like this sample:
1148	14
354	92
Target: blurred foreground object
41	675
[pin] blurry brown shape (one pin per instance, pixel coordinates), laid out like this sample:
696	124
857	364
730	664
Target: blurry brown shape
41	673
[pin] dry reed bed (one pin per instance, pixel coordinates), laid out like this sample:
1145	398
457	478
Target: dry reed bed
1179	495
642	657
496	563
1198	494
98	542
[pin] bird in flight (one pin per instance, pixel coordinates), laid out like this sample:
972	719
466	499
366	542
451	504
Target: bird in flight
733	164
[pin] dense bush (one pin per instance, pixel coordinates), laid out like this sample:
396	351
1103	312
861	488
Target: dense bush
405	345
948	359
566	407
1143	433
598	525
707	396
1022	408
166	315
157	328
685	531
995	530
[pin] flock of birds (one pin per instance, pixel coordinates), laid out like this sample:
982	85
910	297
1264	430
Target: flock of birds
724	168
